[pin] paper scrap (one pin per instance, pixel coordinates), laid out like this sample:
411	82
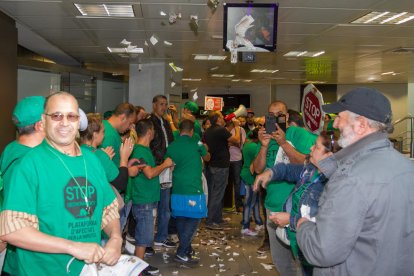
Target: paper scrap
153	40
267	266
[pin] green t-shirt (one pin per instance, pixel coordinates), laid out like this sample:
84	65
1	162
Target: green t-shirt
278	191
8	161
111	171
196	137
249	154
43	186
11	156
145	190
186	153
113	139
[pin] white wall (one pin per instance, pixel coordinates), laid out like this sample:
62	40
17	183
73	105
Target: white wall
288	93
146	83
36	83
109	94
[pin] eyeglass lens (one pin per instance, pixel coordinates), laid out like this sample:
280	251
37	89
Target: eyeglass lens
57	116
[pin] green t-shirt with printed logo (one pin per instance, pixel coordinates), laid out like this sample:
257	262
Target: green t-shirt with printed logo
249	154
111	171
145	190
113	139
278	191
58	189
186	153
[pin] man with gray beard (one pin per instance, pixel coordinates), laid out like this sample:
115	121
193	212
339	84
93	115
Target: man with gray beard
364	224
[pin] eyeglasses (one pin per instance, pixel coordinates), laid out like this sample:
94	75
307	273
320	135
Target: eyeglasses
57	116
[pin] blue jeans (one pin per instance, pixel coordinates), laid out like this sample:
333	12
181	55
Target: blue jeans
186	228
164	214
217	187
234	173
144	230
124	213
251	202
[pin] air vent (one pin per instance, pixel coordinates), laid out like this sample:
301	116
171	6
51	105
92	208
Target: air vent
402	50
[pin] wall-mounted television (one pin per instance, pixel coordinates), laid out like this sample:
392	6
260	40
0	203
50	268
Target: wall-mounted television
250	26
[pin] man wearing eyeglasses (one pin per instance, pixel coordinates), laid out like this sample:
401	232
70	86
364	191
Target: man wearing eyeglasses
279	146
364	224
58	201
27	117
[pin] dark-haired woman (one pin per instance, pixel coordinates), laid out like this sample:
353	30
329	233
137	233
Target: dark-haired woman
303	200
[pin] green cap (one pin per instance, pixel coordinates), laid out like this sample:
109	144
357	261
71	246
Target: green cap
192	106
29	110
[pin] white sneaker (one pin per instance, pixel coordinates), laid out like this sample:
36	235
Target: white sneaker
248	232
259	228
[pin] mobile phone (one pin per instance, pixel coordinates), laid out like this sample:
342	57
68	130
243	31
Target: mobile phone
281	121
270	123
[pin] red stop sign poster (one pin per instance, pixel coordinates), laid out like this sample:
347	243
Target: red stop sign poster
312	113
213	103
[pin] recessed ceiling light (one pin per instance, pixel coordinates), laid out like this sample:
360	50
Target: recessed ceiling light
386	17
128	50
105	10
190	79
303	54
209	57
318	54
264	71
222	76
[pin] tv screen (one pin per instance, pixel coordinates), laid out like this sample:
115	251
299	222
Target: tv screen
250	26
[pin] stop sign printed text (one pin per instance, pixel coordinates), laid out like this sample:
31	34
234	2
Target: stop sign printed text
311	109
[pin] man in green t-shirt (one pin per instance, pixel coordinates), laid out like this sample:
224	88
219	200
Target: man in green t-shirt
281	147
121	120
188	201
146	191
27	116
59	200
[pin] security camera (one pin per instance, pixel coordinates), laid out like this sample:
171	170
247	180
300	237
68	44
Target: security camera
139	67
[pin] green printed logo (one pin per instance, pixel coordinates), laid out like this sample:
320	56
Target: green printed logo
80	199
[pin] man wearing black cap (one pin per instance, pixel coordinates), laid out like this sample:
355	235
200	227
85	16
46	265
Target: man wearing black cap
364	224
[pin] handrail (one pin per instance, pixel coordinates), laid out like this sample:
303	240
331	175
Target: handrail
411	118
408	117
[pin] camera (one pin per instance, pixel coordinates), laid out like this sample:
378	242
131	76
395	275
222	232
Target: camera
271	120
281	121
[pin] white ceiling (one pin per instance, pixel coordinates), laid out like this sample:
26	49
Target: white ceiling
354	53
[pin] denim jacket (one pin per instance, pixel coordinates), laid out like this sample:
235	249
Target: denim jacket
306	174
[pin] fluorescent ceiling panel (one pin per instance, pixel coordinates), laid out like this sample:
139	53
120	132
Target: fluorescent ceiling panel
385	17
105	10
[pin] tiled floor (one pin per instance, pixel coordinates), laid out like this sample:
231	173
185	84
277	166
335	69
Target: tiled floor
224	252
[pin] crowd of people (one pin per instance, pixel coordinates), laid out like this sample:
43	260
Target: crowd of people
78	189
